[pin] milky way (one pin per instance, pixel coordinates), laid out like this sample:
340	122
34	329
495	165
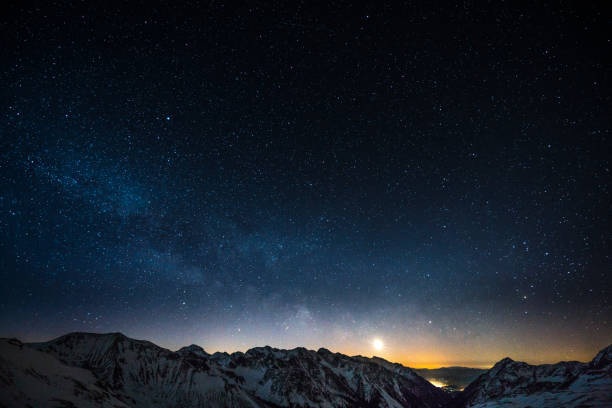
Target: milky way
234	177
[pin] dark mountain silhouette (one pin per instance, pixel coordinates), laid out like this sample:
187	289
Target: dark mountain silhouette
112	370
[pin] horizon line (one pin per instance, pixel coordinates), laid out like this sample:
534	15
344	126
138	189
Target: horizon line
431	366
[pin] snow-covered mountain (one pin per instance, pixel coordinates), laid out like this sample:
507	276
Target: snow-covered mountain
111	370
567	384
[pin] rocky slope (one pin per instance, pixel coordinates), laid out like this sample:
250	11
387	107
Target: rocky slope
115	371
567	384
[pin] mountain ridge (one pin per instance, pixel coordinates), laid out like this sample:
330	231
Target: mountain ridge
144	374
113	370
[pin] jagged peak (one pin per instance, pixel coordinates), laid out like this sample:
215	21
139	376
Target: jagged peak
269	351
300	351
504	361
502	365
193	348
262	350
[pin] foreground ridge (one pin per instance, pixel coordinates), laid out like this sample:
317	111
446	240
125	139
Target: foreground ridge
564	384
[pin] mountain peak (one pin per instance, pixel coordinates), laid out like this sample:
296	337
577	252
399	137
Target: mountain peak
324	351
503	362
194	349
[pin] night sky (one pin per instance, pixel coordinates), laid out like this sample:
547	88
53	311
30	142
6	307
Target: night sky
292	175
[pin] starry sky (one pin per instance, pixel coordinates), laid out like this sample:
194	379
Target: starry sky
241	175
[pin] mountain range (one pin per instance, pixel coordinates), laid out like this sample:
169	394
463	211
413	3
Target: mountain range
112	370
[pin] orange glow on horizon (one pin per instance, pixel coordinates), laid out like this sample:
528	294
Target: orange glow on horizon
422	351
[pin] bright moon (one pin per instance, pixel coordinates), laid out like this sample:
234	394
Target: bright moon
378	344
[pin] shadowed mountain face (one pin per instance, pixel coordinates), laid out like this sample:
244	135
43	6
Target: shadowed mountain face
85	370
111	370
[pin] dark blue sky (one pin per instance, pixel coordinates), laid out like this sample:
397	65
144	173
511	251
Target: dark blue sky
239	176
